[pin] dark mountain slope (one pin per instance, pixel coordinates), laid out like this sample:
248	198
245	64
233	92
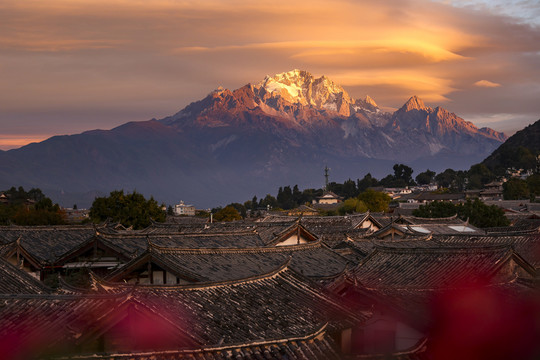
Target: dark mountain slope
519	151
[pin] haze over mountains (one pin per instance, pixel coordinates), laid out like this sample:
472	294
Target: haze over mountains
232	145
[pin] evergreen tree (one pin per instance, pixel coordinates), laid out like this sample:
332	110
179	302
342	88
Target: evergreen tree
254	203
349	189
366	182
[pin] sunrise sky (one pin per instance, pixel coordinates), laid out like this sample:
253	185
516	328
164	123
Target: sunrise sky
67	66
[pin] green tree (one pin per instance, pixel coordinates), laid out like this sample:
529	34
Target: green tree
349	189
533	182
374	200
240	208
446	178
436	209
228	213
478	213
425	178
254	203
21	212
452	180
404	173
285	198
32	216
366	182
516	189
268	202
297	195
128	209
479	175
482	215
352	205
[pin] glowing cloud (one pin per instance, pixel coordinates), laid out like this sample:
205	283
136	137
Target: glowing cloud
486	83
118	59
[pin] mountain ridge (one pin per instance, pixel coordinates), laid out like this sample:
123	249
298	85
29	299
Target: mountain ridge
235	143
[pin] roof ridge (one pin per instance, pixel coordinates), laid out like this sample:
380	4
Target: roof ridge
57	296
447	247
226	250
206	285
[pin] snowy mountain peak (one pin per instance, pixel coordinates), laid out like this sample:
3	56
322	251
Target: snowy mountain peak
414	103
301	87
368	100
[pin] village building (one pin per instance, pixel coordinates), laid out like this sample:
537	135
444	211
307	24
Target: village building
328	198
492	191
184	210
359	286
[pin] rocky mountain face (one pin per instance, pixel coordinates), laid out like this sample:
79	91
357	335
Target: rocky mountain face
295	105
234	144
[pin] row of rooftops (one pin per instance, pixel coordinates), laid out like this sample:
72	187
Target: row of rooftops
51	246
275	288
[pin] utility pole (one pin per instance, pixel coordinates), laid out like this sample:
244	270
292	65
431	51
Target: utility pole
326	169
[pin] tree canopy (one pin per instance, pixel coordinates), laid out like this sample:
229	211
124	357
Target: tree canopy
28	208
374	200
352	205
127	209
516	189
478	213
426	177
228	213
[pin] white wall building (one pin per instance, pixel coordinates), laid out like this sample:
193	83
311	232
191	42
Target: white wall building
183	209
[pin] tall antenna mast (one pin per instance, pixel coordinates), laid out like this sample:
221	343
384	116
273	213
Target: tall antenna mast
326	177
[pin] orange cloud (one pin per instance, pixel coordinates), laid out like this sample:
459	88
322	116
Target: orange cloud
152	57
486	83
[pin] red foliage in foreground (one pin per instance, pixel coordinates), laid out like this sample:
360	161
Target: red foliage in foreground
481	322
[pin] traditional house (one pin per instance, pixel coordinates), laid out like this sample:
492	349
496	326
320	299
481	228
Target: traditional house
412	226
492	191
328	198
36	248
273	315
164	265
403	282
302	210
184	210
16	281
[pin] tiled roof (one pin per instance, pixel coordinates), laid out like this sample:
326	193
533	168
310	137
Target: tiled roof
427	265
46	243
278	305
526	245
222	264
413	220
274	314
33	324
316	346
16	281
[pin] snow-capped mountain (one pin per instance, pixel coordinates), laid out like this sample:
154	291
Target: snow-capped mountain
236	143
325	114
